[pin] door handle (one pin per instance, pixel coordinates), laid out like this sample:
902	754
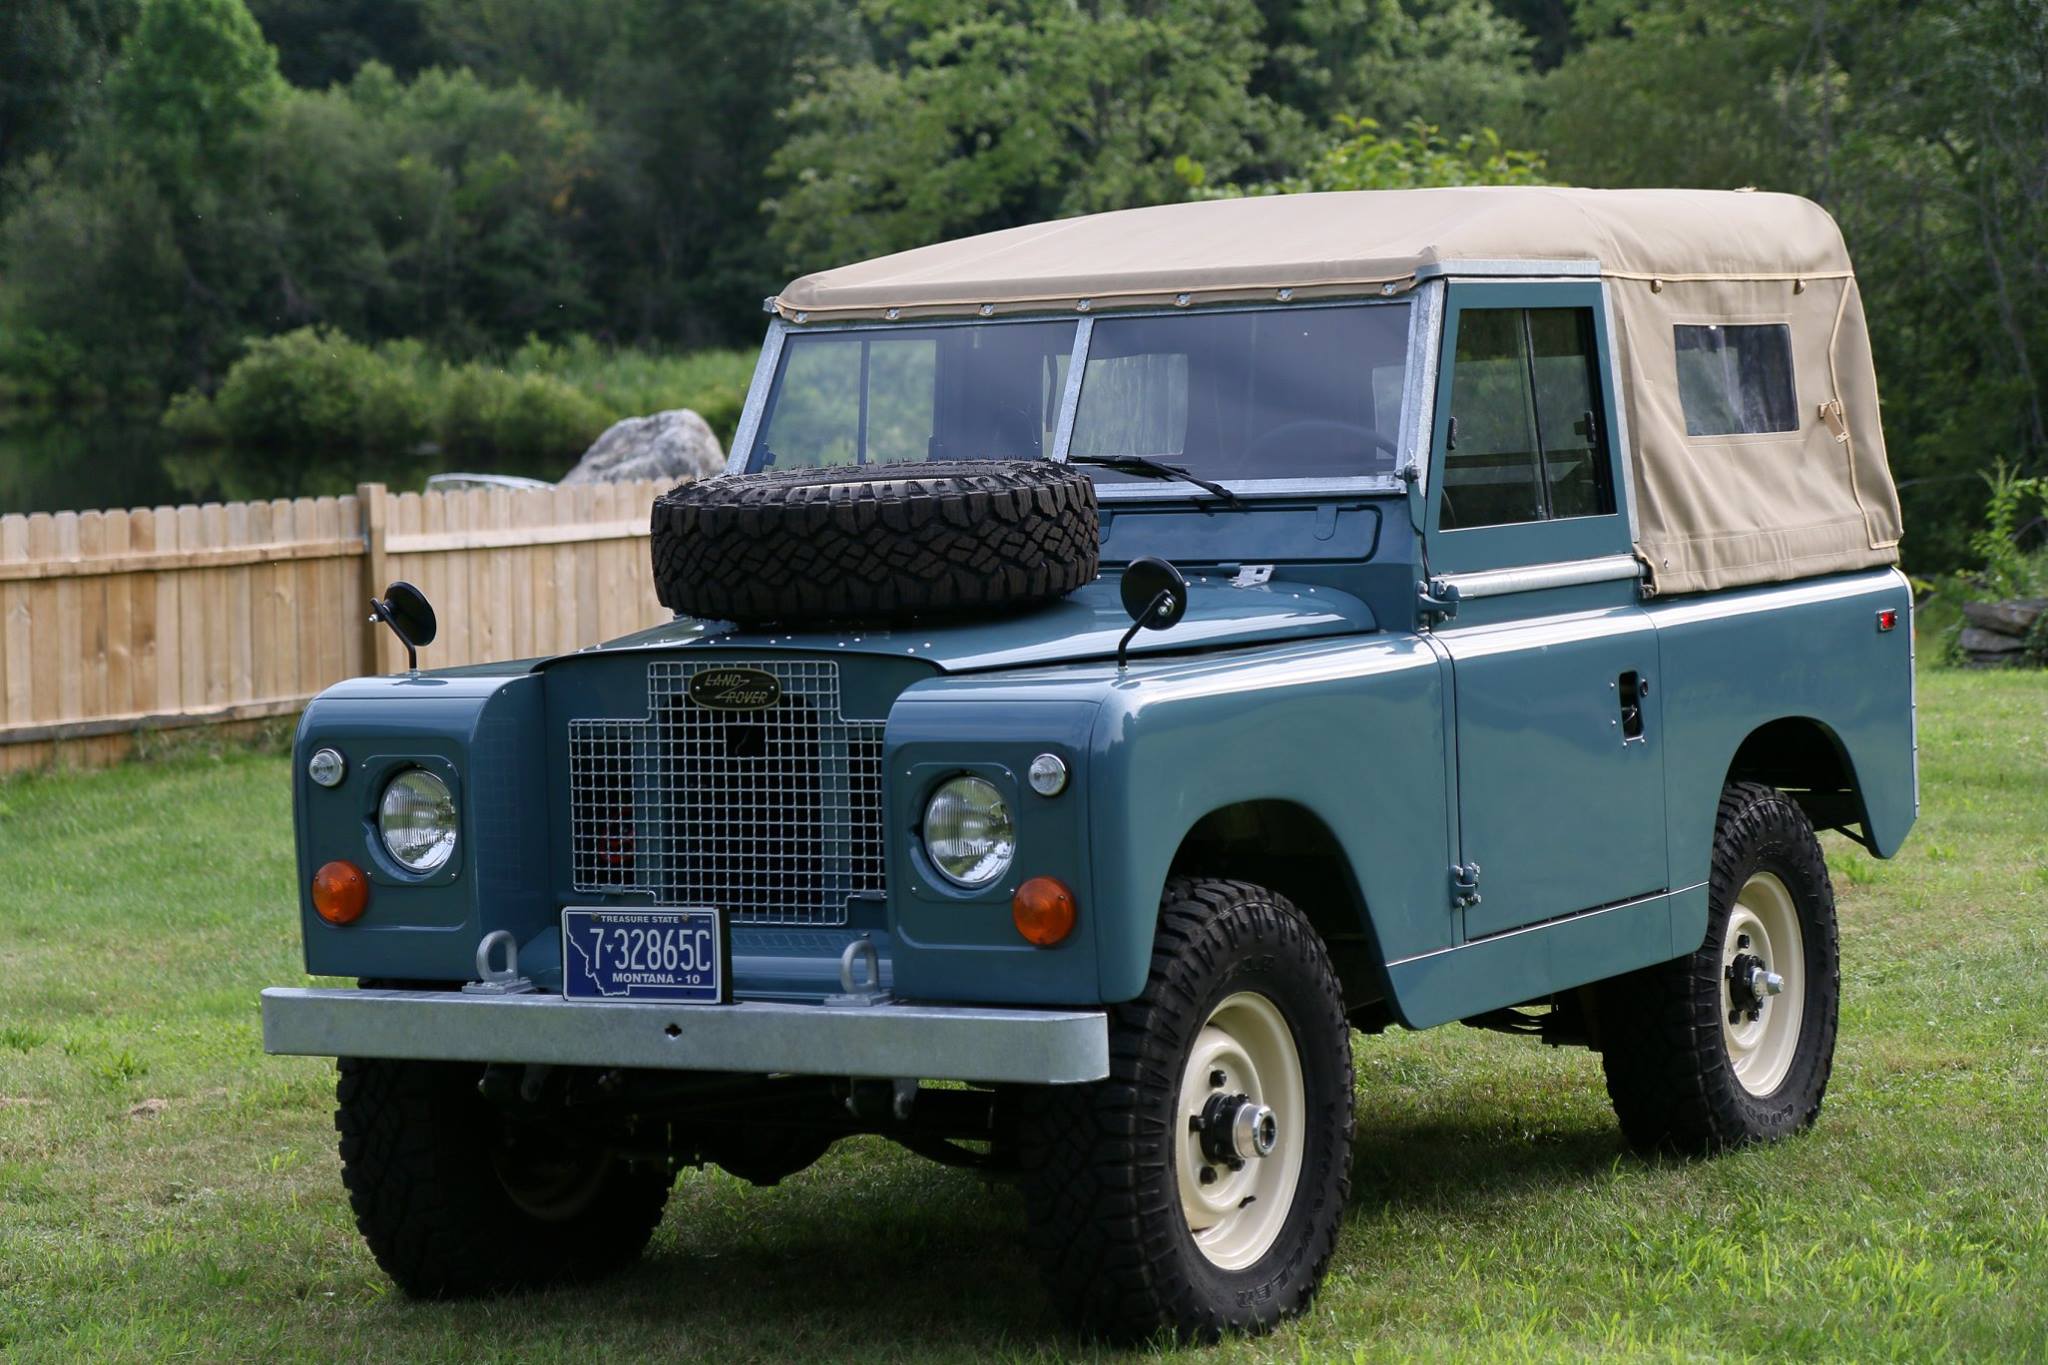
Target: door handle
1632	688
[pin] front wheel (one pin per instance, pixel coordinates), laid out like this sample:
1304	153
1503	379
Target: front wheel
457	1198
1198	1189
1734	1044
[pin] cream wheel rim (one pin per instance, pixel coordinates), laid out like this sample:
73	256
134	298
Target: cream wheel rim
1243	1058
1763	984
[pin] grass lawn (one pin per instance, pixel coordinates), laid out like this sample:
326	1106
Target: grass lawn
167	1190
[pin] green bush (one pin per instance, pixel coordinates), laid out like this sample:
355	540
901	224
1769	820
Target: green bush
313	391
2008	567
470	401
193	418
299	391
534	419
317	391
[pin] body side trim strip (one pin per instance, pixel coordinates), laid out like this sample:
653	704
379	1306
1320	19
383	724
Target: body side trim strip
1573	918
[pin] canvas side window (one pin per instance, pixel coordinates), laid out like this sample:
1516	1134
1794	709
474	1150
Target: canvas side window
1525	442
1736	380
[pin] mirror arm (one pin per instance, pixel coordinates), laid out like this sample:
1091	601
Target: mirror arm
1160	605
380	610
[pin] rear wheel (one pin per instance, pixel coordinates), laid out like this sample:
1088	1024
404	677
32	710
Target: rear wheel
1198	1189
457	1198
1734	1043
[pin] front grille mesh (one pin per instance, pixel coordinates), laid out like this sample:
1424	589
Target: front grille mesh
774	816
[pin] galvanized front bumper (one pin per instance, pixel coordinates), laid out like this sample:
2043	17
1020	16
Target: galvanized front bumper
926	1042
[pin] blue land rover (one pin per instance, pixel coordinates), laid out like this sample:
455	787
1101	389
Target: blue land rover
1127	656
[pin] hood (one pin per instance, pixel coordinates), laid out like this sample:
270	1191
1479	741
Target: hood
1081	626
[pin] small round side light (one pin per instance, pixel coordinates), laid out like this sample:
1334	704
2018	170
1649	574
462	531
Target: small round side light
1048	775
340	892
327	767
1043	910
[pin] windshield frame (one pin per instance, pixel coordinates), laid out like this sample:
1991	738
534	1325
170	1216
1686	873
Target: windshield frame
1418	393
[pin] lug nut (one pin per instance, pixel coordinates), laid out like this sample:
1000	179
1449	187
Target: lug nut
1217	1079
1208	1175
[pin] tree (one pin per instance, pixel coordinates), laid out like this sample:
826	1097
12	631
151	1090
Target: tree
323	42
1456	63
192	81
688	95
95	285
1359	158
214	203
979	116
53	52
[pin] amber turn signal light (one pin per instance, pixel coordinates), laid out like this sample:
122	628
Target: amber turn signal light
1043	910
341	892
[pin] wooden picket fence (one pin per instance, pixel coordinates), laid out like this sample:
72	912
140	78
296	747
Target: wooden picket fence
117	624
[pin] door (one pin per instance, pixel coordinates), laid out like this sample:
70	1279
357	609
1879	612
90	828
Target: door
1553	661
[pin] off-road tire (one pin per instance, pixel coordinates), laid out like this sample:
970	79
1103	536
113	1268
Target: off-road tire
1099	1176
1668	1069
416	1140
875	543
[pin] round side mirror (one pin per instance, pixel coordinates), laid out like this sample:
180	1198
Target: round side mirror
1155	595
407	611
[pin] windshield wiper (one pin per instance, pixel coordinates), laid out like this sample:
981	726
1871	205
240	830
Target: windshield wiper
1148	467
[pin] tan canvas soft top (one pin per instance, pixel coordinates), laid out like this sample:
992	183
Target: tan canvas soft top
1712	512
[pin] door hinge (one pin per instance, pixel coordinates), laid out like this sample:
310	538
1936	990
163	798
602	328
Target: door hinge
1464	885
1436	601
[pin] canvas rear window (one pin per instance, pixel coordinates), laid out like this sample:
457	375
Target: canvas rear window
1736	380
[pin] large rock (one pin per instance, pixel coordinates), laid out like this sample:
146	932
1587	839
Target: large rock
2007	618
671	446
1990	642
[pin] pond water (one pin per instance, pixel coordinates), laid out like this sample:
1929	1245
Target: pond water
76	462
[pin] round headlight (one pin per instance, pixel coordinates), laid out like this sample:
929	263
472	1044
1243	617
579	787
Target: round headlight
417	820
967	831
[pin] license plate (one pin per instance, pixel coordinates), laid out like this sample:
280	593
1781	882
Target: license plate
672	955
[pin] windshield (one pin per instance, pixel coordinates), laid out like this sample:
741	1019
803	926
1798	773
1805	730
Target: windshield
1304	392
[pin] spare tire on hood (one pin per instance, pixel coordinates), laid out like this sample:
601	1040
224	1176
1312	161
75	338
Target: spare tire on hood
875	543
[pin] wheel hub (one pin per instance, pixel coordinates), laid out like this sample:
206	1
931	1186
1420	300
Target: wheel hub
1235	1128
1751	983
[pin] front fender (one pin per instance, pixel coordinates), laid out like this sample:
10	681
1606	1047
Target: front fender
1353	731
482	735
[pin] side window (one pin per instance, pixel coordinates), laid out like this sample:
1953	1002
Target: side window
1525	442
1736	380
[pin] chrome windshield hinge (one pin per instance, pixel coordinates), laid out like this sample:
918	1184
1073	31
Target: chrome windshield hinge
1464	885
